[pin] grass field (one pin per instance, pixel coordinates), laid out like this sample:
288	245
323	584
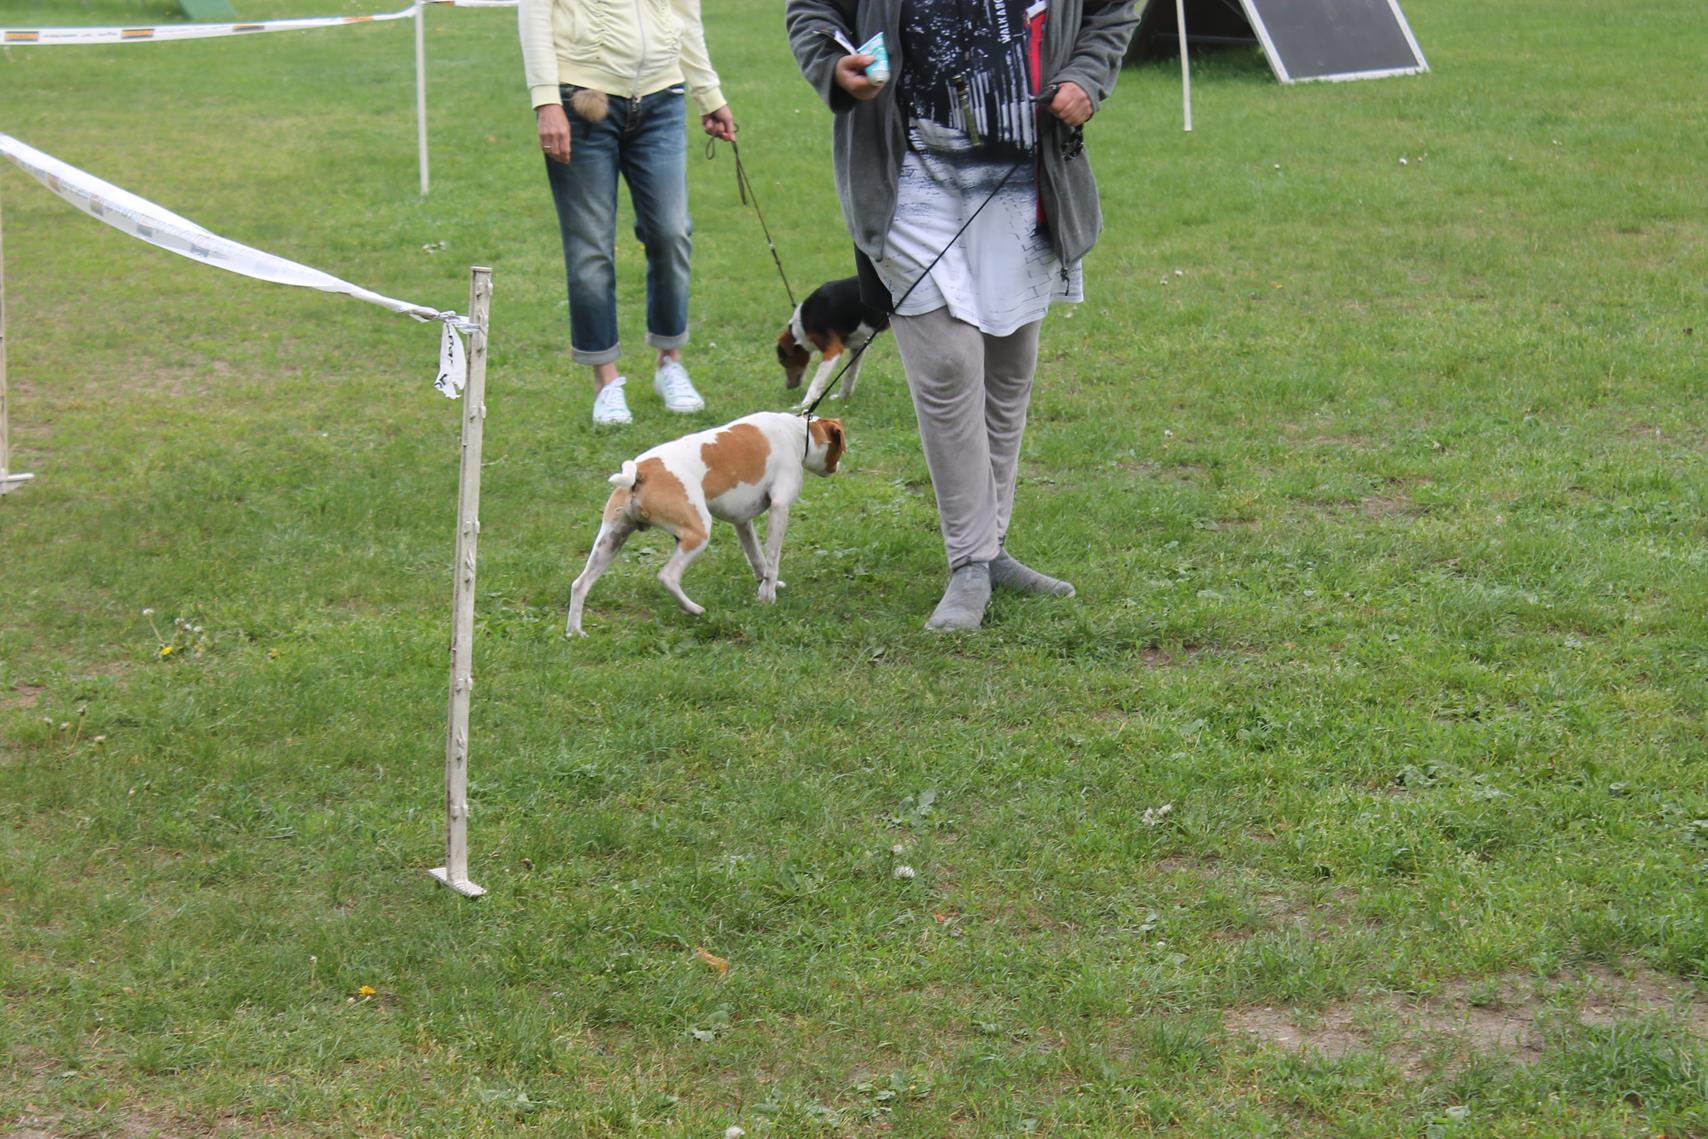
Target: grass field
1383	483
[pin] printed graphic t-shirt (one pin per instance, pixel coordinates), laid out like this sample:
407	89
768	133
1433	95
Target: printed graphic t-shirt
970	69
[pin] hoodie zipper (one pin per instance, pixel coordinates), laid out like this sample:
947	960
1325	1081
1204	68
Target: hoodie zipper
640	63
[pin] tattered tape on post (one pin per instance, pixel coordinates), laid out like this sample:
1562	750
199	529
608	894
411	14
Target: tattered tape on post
158	226
162	33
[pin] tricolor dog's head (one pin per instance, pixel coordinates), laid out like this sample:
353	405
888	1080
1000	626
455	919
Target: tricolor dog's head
825	445
794	351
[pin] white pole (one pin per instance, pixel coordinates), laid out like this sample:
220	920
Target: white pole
421	92
8	480
455	872
1185	68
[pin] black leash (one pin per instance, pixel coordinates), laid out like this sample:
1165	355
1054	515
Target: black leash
744	187
831	386
1074	147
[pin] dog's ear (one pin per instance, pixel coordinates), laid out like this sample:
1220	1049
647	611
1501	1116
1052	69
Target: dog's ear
835	444
792	357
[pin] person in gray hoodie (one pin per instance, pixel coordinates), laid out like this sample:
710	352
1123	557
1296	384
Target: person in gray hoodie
964	183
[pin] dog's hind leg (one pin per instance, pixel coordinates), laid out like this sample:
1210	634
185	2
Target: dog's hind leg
613	532
689	545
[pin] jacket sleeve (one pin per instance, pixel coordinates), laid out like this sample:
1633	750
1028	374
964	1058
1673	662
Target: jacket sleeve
539	51
1104	32
812	25
695	60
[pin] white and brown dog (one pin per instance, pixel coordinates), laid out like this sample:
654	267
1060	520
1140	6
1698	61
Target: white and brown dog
735	472
832	320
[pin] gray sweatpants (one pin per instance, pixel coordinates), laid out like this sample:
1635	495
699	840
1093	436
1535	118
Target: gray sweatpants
970	393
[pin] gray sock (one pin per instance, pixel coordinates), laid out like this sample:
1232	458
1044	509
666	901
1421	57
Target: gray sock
963	602
1012	574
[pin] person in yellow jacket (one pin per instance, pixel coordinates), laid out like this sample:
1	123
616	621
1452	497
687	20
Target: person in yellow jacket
607	79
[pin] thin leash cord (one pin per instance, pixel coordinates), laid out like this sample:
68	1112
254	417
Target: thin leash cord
831	386
744	187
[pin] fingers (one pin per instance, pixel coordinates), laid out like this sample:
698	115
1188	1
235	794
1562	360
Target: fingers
1071	105
554	132
850	75
719	124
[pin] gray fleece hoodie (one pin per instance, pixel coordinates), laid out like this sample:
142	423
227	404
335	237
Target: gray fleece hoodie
1084	41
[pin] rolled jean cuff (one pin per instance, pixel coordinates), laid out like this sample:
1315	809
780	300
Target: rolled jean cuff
657	341
602	356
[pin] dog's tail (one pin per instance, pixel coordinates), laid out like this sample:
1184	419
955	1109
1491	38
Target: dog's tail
625	478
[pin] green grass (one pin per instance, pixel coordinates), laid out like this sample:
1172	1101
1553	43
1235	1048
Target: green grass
1387	516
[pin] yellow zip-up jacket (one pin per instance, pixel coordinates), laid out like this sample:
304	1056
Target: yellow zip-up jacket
625	48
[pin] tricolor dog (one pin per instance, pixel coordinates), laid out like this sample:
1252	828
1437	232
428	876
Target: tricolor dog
832	320
735	472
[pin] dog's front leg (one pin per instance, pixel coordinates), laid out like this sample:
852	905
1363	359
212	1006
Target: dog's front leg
850	376
750	546
775	527
821	378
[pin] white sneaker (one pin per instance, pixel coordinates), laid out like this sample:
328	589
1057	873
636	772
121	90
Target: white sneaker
610	407
673	386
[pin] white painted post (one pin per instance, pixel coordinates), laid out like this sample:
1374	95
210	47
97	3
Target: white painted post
421	92
1185	68
8	480
455	872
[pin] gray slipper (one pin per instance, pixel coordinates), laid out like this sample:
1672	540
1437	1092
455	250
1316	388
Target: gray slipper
1010	573
962	607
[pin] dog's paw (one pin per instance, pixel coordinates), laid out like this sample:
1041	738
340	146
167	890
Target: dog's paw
768	592
575	631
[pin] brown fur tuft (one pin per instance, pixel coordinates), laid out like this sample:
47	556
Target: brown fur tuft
591	105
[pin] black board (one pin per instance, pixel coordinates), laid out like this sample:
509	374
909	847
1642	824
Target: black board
1302	39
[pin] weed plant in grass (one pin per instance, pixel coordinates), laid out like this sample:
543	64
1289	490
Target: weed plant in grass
1382	484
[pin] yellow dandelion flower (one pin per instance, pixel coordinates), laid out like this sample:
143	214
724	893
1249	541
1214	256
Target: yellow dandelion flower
165	650
367	991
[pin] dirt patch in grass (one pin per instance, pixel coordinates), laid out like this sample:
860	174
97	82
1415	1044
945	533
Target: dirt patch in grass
1388	506
134	1123
1505	1016
21	696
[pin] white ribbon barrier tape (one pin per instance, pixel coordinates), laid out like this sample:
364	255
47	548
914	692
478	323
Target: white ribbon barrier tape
24	36
126	212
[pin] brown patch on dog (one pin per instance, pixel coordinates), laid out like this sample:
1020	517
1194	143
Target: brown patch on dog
734	457
661	500
826	341
793	358
829	432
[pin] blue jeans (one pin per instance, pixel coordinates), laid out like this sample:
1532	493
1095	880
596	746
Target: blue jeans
645	141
